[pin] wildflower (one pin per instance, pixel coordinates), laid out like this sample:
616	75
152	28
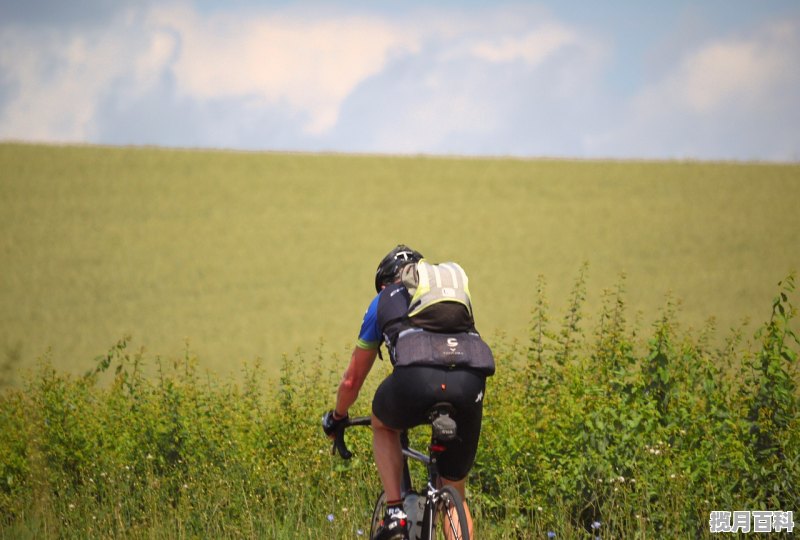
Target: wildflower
330	518
595	525
360	532
672	475
71	506
621	479
149	456
551	534
539	508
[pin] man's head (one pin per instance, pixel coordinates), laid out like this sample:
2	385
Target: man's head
391	265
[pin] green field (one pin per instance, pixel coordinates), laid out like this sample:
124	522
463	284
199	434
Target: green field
615	402
252	255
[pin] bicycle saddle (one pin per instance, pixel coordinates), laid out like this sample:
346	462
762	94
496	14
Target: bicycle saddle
442	423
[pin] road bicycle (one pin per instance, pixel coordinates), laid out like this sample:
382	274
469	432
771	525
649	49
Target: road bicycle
436	512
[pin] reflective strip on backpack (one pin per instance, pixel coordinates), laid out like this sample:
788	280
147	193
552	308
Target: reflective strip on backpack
439	283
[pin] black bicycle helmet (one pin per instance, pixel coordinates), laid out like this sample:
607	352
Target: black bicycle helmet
389	268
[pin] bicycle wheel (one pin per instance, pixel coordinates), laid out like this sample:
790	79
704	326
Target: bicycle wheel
449	516
377	515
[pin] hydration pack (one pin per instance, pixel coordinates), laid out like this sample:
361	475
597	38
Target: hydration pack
440	299
441	328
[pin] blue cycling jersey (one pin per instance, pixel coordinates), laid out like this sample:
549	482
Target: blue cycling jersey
384	316
370	335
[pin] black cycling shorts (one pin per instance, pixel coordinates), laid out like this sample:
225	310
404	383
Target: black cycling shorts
404	400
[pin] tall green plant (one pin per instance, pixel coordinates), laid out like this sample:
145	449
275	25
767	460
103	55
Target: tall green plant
772	407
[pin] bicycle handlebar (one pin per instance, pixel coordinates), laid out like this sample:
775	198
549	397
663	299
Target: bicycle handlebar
338	442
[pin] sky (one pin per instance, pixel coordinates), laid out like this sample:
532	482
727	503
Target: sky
706	80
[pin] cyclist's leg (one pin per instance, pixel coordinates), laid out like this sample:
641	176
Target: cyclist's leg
401	401
388	457
465	390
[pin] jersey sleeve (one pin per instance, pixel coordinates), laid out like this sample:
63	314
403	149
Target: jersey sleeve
370	335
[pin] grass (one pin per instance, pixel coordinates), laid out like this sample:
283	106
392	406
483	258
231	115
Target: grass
253	255
637	399
588	430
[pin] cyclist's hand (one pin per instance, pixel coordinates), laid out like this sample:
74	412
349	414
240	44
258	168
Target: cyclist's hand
331	425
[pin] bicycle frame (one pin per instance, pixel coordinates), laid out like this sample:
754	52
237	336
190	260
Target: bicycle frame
432	492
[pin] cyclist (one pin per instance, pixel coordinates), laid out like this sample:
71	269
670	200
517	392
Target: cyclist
404	399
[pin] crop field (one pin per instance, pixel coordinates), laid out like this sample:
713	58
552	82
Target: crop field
244	256
173	323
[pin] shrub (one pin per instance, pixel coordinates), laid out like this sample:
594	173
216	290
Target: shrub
588	431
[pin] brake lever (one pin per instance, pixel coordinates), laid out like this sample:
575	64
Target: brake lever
340	446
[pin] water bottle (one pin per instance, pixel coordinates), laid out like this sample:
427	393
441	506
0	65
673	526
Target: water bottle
414	507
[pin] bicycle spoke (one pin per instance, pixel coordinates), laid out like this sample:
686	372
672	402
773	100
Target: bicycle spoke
377	514
450	523
451	520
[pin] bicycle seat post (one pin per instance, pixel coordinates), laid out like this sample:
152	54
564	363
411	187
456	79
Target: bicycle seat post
443	430
406	486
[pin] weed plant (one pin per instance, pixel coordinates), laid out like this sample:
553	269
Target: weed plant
609	431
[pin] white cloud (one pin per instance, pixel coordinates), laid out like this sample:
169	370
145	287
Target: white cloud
266	60
501	79
531	48
728	98
55	79
744	71
308	65
305	65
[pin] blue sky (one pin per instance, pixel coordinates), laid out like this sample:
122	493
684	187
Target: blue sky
617	79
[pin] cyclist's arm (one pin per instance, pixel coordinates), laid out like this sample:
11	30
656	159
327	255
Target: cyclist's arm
354	376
